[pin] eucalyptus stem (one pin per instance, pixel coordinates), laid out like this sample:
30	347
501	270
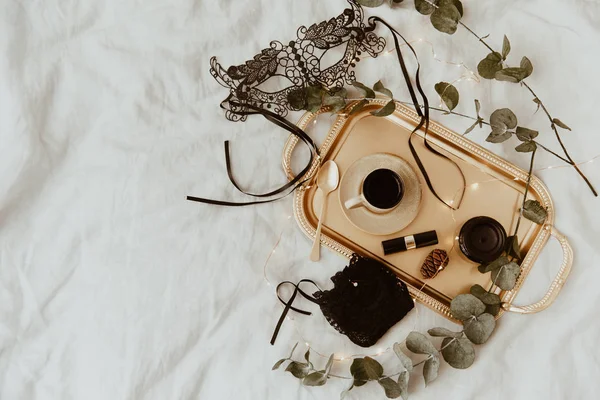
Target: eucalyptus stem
569	160
312	369
526	191
478	37
553	125
487	123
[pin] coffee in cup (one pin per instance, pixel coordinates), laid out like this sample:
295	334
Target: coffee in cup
381	191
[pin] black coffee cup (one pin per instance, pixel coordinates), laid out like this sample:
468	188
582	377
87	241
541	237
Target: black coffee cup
382	190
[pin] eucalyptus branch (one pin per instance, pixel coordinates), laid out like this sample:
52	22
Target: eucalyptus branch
553	125
552	120
526	192
477	36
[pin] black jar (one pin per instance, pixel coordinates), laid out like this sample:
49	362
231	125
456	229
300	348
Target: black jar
482	239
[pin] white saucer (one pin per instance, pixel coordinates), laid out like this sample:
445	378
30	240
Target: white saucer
397	218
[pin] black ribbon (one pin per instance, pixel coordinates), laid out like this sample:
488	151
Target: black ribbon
284	190
288	304
423	114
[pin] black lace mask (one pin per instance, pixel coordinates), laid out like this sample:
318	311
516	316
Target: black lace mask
366	301
298	64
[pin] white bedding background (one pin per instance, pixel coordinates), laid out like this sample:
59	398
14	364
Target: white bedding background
112	286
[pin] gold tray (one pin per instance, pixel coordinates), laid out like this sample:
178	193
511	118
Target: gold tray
494	188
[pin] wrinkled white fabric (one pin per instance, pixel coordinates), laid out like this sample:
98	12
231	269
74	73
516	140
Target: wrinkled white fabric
112	286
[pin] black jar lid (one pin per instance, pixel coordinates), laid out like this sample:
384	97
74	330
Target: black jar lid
482	239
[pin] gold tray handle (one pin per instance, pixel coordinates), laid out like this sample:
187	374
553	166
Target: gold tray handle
557	283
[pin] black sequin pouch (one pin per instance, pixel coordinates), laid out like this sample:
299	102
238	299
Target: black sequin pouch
366	301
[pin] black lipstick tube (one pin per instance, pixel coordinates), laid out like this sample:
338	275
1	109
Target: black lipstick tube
409	242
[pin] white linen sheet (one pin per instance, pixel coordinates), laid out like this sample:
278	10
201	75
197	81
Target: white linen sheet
112	286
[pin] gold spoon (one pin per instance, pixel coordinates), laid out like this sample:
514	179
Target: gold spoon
327	181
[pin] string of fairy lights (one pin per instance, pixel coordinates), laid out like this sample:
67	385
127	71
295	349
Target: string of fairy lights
467	75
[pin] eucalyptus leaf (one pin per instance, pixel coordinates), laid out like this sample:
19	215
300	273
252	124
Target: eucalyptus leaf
445	18
512	246
486	297
525	134
502	120
314	98
458	6
493	309
477	107
430	369
297	99
458	353
307	355
278	364
526	147
364	370
527	66
558	122
293	349
505	47
425	7
403	379
419	343
386	110
318	378
469	129
366	91
491	64
443	332
511	74
299	370
392	389
448	93
538	102
329	364
337	103
359	106
506	276
497	263
345	392
465	306
534	211
339	92
498	137
479	329
378	87
404	359
370	3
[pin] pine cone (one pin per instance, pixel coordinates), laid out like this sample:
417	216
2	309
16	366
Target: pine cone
436	260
